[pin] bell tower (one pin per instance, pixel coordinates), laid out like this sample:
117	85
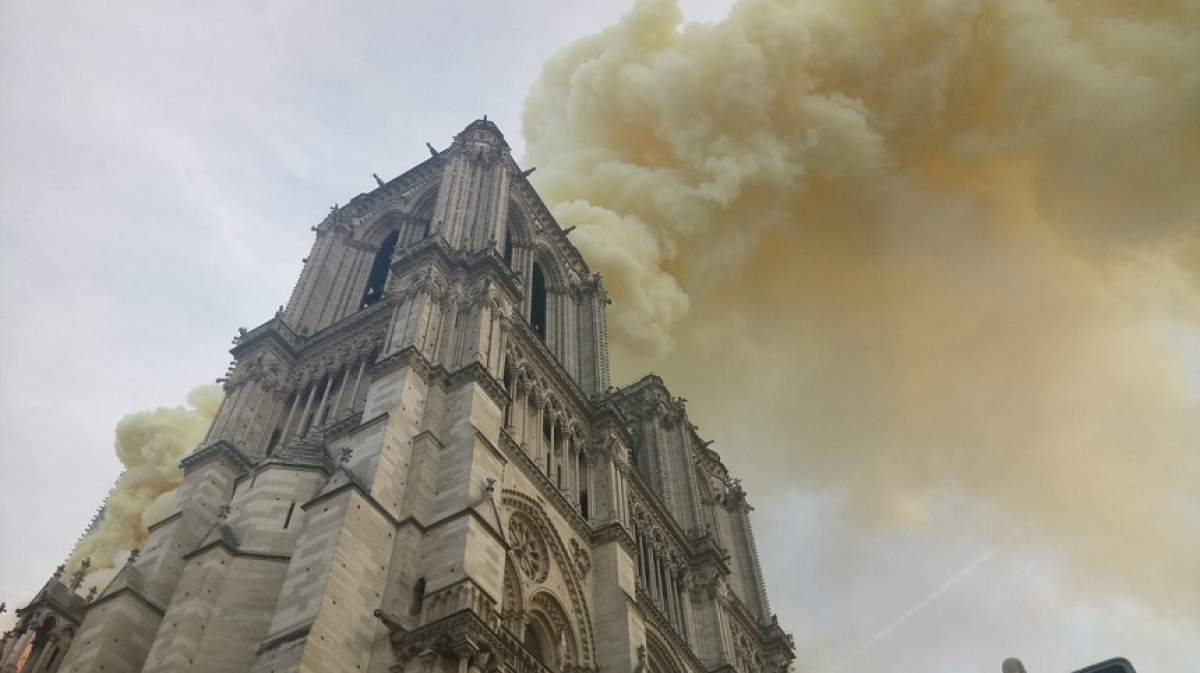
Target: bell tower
419	465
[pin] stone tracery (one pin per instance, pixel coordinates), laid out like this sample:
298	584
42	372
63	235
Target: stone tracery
528	548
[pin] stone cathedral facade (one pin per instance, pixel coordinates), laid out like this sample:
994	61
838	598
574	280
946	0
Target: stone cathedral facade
420	466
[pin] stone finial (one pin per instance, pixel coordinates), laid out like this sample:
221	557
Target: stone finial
77	577
58	572
3	608
91	594
345	455
133	556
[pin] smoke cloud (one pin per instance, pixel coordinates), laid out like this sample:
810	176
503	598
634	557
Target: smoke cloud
919	247
149	445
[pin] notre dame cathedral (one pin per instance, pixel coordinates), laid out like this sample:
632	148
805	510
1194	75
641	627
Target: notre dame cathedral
420	465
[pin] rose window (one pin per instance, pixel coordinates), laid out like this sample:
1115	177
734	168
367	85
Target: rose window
528	550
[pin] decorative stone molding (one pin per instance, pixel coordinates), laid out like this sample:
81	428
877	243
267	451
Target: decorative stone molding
583	562
527	547
519	502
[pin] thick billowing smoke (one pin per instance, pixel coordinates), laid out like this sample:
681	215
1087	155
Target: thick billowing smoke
912	249
149	445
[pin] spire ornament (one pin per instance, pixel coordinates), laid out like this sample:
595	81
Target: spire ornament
77	577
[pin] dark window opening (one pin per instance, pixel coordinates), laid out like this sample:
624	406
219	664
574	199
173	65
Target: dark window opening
325	412
288	520
418	597
533	643
559	476
508	248
377	279
274	441
549	446
508	387
583	504
537	302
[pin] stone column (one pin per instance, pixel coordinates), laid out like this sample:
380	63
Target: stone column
36	664
362	364
318	414
652	566
312	391
689	614
551	449
337	400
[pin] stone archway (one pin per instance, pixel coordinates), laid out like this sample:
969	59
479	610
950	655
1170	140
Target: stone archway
578	615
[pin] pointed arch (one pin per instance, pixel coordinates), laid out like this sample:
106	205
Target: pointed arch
659	657
519	224
512	602
579	614
553	625
380	269
538	300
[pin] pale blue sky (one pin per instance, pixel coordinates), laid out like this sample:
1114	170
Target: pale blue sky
160	167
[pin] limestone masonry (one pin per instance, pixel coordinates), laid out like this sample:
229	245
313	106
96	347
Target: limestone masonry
420	465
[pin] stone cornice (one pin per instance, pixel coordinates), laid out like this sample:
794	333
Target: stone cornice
219	450
352	485
365	203
296	346
430	373
613	531
235	551
452	261
274	331
170	517
477	373
284	638
137	595
464	634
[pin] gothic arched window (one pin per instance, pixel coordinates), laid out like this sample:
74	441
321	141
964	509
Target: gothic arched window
508	247
537	302
508	388
379	270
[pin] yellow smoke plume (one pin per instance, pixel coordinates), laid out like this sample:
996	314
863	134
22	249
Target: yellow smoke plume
918	247
149	445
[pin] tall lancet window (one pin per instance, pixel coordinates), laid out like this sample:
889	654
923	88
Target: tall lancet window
379	270
537	302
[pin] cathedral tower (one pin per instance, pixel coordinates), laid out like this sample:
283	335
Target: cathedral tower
420	465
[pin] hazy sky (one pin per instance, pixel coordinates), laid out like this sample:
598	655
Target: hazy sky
159	172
